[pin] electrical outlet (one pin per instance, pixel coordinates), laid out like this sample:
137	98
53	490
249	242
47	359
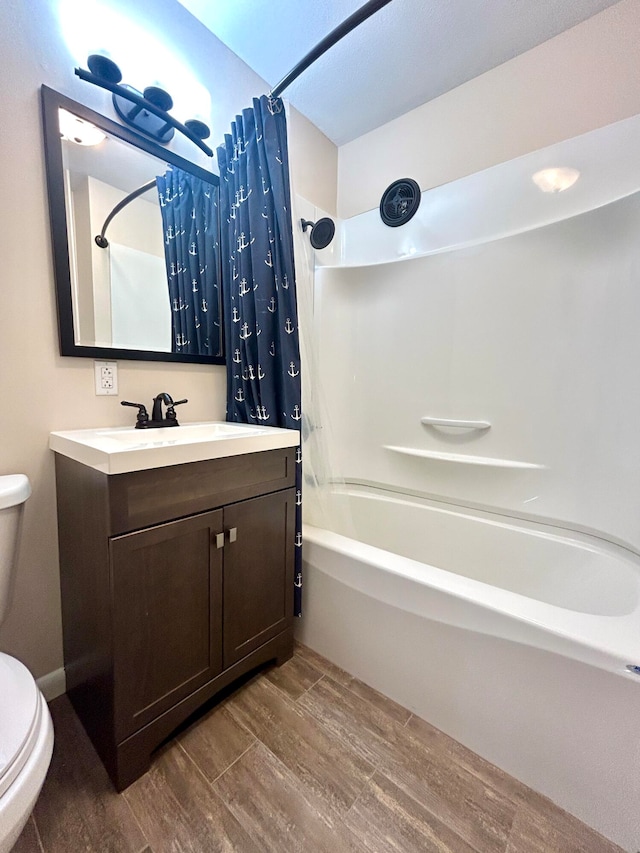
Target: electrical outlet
106	377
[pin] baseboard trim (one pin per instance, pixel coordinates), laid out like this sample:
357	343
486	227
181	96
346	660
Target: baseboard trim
53	684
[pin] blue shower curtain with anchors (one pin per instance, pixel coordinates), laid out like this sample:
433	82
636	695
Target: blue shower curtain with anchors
189	208
258	282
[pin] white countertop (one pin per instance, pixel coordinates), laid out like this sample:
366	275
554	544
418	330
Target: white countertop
119	450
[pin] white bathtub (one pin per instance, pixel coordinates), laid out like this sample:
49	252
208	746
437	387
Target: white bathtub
568	593
512	637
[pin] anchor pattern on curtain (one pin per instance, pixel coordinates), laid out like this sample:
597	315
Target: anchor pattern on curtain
189	208
258	282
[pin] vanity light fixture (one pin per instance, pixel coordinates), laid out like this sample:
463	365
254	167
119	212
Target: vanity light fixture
79	131
555	180
147	111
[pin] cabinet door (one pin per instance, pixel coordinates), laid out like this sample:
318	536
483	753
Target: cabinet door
258	572
166	588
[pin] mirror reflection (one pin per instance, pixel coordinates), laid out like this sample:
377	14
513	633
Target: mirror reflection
143	242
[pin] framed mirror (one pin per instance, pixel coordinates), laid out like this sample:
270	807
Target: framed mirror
135	234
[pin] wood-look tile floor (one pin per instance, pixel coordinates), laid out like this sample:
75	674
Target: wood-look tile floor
300	758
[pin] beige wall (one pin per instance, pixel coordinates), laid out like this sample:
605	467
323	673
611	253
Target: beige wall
582	79
40	390
313	160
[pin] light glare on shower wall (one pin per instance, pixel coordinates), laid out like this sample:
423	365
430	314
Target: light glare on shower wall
555	180
95	26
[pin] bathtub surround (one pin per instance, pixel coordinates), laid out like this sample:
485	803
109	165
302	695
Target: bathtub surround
253	774
529	328
478	364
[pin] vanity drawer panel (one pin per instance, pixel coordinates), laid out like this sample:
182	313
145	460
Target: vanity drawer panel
142	498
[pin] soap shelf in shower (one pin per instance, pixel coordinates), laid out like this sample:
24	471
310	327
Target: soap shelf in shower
463	458
455	424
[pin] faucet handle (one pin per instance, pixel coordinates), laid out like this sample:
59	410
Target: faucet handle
171	414
143	415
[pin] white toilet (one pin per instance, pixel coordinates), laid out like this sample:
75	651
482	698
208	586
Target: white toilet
26	730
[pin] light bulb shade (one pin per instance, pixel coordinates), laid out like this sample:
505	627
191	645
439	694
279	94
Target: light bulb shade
158	97
198	128
104	68
555	180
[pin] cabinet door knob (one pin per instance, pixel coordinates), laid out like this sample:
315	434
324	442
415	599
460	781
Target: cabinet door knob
219	540
233	534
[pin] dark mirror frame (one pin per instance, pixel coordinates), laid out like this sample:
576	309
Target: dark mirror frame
51	102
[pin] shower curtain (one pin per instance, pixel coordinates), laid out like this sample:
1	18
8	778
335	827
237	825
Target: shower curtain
258	282
189	209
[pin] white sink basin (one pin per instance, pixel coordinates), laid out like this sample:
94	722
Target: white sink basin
123	449
170	436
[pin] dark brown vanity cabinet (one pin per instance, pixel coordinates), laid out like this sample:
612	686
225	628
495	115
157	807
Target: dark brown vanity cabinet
255	608
166	592
175	582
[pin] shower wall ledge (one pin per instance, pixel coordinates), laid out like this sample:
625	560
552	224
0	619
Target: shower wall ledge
498	202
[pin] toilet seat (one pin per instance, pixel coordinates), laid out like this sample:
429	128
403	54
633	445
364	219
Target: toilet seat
20	719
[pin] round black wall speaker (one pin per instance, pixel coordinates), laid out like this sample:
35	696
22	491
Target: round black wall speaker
399	202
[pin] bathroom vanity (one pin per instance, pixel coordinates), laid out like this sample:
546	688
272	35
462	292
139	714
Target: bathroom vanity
176	579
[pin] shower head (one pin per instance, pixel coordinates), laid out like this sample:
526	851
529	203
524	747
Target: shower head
322	231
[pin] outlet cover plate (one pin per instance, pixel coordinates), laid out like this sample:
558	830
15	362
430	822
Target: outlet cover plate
106	373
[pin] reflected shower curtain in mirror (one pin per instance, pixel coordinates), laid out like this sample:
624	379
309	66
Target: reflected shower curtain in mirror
189	208
258	281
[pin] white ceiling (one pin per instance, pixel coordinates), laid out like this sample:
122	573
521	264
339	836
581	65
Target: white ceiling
406	54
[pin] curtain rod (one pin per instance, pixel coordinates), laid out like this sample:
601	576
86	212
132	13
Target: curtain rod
101	240
328	41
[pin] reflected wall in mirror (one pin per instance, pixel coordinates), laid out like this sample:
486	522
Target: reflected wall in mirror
135	242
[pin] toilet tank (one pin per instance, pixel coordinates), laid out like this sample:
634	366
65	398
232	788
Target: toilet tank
14	491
